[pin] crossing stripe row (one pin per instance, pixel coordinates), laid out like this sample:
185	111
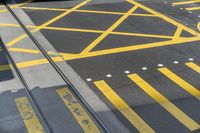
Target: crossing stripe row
136	120
186	3
33	124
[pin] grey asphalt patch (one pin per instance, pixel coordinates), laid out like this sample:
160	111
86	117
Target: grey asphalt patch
123	41
69	42
149	25
112	7
80	20
42	16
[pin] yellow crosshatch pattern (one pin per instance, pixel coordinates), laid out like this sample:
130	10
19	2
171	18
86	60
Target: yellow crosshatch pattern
87	52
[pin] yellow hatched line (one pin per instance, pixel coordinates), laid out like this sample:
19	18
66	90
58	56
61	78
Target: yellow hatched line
11	43
24	50
89	11
94	31
16	5
107	32
177	33
193	66
179	81
185	2
121	105
165	103
193	8
77	111
167	19
29	118
67	56
5	67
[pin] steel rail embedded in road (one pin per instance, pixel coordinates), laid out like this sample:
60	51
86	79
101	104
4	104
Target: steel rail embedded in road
58	70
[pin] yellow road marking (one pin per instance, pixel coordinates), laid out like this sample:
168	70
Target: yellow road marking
5	67
121	105
198	26
185	2
30	119
11	43
16	5
107	32
176	79
167	19
192	8
177	33
77	111
24	50
165	103
14	41
67	56
94	31
193	66
89	11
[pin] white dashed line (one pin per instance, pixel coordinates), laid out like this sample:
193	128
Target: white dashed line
89	79
190	12
160	65
176	62
190	59
127	72
144	68
108	75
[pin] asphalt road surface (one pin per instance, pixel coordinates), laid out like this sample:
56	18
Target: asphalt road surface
135	62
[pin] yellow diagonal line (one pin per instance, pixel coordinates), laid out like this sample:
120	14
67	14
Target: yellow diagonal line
185	2
11	43
108	31
77	111
94	31
193	66
167	19
89	11
179	81
165	103
16	5
192	8
23	50
121	105
178	33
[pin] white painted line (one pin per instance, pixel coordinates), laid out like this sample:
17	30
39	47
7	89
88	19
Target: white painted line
127	72
190	12
190	59
89	79
108	75
144	68
160	65
176	62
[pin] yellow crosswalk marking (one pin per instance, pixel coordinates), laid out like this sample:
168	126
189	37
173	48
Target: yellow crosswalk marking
179	81
165	103
193	8
193	66
77	111
121	105
30	119
185	2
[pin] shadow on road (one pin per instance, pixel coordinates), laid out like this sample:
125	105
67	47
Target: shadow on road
5	69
